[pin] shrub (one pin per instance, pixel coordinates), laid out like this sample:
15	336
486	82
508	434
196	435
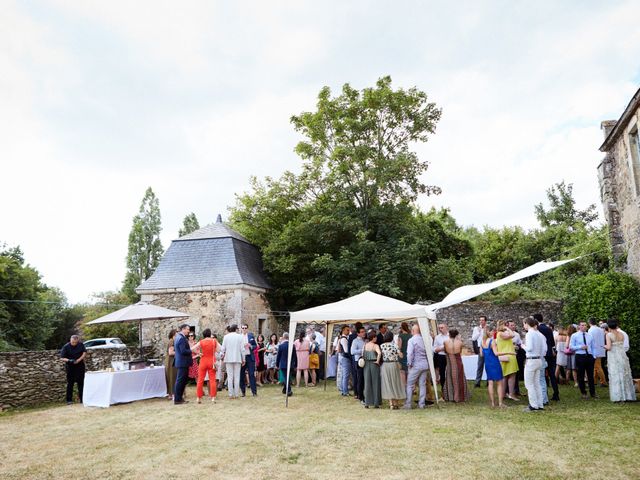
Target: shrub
604	296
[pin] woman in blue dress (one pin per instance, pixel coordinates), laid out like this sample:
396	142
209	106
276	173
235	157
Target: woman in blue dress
492	366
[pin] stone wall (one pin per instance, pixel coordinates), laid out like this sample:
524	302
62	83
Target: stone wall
620	199
214	309
36	377
465	316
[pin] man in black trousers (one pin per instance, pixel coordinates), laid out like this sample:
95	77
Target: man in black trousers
551	354
182	361
73	354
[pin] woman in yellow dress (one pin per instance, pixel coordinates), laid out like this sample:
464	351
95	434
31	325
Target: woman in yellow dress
508	360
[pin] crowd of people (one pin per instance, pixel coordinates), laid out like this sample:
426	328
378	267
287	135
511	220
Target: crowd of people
372	365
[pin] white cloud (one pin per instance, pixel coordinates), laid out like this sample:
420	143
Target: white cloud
102	99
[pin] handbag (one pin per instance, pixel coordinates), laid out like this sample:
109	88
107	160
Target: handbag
568	351
361	362
504	358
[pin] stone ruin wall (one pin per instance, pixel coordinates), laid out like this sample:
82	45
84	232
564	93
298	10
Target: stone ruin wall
38	377
213	309
620	204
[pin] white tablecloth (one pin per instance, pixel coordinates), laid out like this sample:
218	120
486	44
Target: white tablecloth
470	366
102	389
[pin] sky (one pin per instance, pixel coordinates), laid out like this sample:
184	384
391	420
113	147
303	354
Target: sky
100	100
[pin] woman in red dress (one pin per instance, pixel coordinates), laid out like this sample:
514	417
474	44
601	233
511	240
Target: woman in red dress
207	347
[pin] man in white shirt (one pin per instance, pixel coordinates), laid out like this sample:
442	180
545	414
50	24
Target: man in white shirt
476	339
233	357
598	352
439	355
535	344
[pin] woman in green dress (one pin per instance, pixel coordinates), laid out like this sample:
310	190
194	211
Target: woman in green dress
508	359
372	356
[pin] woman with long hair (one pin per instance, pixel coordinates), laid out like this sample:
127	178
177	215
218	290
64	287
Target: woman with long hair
260	360
455	385
302	355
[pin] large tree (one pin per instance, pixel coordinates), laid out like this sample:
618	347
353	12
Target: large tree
348	221
189	224
145	249
30	311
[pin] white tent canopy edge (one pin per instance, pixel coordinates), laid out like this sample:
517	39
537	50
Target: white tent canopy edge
365	307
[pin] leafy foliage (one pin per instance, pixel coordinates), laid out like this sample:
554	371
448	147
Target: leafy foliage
30	313
189	224
605	296
347	222
145	249
562	208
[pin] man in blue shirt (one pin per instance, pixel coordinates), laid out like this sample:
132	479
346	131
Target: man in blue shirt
583	345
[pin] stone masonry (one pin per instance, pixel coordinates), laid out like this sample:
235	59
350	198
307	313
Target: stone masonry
37	377
214	309
619	178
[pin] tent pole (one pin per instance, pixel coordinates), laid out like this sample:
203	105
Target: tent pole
326	355
140	337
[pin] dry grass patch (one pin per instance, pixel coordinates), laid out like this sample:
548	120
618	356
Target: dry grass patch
321	435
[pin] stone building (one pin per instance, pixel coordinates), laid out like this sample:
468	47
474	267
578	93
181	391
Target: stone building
215	275
619	178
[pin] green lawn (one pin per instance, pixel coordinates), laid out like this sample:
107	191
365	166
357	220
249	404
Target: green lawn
323	435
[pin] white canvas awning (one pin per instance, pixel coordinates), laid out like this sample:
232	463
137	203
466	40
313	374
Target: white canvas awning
468	292
366	307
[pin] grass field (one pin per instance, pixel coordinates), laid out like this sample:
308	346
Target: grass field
322	435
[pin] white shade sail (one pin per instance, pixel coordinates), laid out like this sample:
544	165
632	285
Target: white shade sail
467	292
138	312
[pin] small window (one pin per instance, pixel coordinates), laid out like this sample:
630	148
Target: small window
634	159
116	341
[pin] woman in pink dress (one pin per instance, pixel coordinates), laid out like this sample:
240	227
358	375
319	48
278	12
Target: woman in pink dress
302	354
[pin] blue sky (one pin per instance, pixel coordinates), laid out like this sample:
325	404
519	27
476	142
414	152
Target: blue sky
102	99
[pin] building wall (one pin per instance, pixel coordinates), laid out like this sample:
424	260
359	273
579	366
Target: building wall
619	200
214	309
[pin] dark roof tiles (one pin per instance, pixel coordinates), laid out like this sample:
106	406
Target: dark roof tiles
212	256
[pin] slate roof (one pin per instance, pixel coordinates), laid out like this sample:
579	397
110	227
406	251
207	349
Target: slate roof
212	256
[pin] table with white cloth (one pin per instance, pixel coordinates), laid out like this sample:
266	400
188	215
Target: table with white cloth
470	363
102	389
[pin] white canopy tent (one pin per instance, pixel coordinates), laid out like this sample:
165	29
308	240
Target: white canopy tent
366	307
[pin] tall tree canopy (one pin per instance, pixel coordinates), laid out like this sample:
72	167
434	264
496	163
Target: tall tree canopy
348	222
145	249
30	311
189	224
